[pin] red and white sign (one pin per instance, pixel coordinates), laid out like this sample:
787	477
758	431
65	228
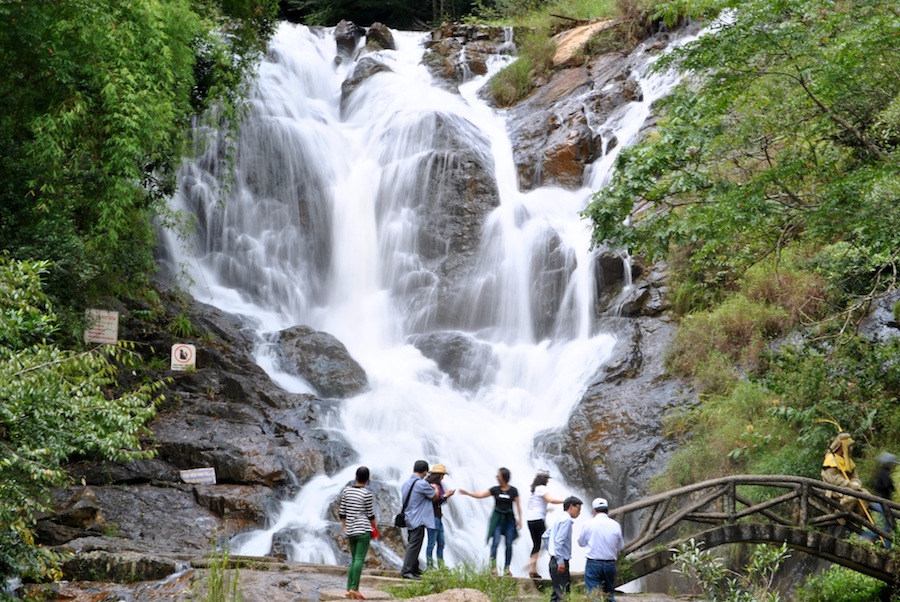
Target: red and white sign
184	356
104	327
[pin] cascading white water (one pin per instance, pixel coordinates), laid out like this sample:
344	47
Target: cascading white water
321	227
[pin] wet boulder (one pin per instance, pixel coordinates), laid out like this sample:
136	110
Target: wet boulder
365	68
379	37
321	360
469	363
347	35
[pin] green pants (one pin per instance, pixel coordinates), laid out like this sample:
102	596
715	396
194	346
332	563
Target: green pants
359	547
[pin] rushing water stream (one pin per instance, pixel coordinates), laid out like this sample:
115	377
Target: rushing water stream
320	226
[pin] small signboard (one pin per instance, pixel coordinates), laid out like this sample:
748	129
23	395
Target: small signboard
184	356
104	326
199	476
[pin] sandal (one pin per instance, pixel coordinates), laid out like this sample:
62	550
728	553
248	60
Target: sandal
494	571
507	572
356	595
534	575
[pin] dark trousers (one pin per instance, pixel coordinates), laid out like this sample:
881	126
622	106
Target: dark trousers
602	574
561	581
414	539
536	528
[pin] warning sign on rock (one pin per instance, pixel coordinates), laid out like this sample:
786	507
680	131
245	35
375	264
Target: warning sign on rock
103	326
184	356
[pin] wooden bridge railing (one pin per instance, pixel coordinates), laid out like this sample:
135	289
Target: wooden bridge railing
794	506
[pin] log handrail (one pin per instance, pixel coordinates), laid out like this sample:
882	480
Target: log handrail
809	505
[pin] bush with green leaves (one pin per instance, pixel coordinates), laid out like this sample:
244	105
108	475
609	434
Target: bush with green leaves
721	584
517	80
57	404
840	584
785	131
98	97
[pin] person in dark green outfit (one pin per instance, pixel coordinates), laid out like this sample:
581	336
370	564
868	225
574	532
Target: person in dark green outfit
357	516
504	522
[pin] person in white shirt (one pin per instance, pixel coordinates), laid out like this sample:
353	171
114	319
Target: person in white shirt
602	536
560	547
536	515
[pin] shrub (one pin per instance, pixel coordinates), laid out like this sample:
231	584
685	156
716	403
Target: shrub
737	329
718	582
803	295
56	404
512	82
517	80
839	584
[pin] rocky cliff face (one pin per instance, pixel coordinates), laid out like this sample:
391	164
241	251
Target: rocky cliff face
264	442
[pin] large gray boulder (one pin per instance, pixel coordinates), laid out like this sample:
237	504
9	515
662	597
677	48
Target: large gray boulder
321	360
470	364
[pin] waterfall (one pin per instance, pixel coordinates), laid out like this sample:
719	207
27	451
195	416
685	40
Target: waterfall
322	225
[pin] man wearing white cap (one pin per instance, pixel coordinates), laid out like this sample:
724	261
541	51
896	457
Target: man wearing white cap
602	536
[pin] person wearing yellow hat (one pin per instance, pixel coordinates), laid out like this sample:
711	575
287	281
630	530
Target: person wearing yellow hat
838	468
436	535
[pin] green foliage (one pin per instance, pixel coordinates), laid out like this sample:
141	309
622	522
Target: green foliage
840	584
720	584
402	14
517	80
56	404
785	131
182	327
498	589
771	424
97	97
540	14
734	332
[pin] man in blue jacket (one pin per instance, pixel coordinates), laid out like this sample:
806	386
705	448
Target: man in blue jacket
419	514
560	549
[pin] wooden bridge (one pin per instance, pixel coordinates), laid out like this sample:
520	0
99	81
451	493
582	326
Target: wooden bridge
800	512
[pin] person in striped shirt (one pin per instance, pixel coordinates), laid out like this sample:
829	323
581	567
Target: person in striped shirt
357	516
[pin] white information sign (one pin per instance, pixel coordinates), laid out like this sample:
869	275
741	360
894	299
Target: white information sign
184	356
199	476
103	326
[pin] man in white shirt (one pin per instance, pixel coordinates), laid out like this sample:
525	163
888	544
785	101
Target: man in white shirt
602	536
560	548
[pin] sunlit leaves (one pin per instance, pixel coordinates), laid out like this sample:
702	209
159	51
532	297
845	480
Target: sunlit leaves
55	404
785	131
97	97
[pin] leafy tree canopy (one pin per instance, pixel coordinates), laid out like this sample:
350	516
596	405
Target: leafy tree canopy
786	131
96	98
56	404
